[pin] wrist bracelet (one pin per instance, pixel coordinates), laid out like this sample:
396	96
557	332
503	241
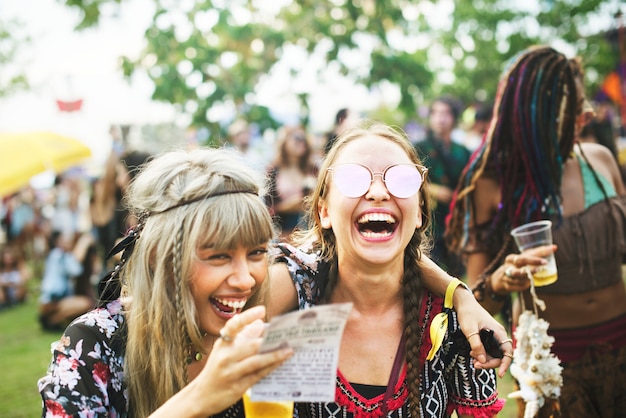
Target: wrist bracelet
450	291
493	295
439	324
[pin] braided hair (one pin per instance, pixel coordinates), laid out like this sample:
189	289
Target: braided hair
412	281
532	133
195	199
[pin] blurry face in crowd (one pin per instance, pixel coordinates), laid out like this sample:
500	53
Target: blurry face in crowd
241	140
441	119
65	242
351	120
122	178
296	144
8	257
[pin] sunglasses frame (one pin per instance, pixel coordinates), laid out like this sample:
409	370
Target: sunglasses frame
423	171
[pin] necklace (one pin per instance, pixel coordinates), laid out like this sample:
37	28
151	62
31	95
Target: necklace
192	353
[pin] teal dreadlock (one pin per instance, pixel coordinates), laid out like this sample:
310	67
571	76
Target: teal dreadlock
531	134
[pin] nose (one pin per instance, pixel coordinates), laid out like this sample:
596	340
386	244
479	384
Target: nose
378	189
241	278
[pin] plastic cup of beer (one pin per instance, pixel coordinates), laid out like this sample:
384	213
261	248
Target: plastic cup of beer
266	409
536	234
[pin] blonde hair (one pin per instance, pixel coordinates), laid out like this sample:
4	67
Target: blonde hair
195	198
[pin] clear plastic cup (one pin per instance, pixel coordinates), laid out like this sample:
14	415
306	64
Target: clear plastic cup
265	409
536	234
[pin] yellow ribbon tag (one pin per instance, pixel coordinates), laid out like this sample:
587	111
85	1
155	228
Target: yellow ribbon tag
439	325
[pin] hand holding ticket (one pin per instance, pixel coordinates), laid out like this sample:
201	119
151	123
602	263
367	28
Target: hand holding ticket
309	375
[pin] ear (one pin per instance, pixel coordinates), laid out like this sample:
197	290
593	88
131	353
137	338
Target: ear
322	211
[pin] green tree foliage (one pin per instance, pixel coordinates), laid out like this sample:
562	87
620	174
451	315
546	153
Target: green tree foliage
487	33
11	79
209	55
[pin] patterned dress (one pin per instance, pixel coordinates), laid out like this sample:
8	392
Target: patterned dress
86	374
449	381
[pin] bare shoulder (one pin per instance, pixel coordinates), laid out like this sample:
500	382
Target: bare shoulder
597	152
486	198
603	161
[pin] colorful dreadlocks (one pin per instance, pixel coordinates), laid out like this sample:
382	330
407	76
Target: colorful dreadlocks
531	134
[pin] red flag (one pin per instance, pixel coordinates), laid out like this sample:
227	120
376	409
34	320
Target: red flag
71	106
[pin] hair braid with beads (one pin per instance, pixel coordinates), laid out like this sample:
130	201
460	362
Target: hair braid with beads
531	134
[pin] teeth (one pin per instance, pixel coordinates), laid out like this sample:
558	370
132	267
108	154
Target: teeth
235	304
373	235
376	217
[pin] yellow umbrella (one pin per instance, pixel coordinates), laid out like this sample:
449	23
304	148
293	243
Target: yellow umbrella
23	155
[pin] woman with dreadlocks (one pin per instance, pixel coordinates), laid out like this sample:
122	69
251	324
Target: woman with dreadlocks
400	356
177	342
530	167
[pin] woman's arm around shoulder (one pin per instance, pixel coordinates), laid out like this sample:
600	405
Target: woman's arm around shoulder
282	295
471	315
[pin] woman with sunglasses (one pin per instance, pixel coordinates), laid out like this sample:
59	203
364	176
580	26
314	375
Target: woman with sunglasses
530	167
196	258
369	216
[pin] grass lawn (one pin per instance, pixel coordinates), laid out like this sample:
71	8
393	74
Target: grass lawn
25	354
24	357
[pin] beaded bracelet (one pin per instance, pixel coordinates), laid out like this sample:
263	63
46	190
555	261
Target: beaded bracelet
484	287
493	295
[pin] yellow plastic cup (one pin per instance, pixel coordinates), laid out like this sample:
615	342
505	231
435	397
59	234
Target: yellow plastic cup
265	409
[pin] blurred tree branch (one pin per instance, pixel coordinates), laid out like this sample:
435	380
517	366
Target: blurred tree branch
204	55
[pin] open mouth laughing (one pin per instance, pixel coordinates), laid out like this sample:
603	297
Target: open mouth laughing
376	225
228	307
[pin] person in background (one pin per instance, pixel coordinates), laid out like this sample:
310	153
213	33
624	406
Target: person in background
58	303
445	160
291	179
531	168
109	217
66	204
479	124
23	213
369	215
344	118
14	277
173	335
241	138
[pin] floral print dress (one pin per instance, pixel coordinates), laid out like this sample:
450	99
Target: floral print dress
86	375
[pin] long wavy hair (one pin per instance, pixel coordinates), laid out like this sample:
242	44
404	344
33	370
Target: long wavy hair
162	322
531	134
412	283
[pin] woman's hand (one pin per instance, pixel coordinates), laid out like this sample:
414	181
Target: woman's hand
512	276
472	318
232	367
